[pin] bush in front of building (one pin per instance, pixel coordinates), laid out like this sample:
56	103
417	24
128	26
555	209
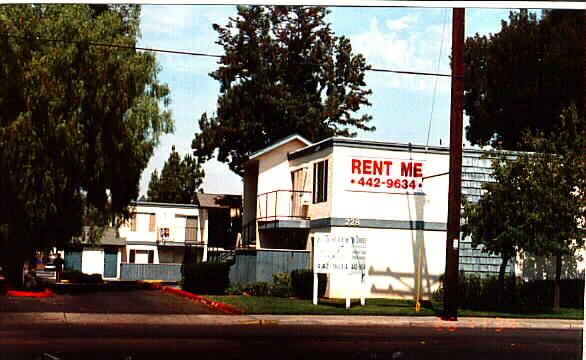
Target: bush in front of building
302	284
259	288
539	293
206	278
477	292
281	286
75	276
235	288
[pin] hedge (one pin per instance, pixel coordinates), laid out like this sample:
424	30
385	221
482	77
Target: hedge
480	293
302	284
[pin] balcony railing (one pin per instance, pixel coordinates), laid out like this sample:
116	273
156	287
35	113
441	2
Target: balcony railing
283	205
178	235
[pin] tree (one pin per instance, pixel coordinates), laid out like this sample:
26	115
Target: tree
179	182
495	220
78	122
537	201
522	77
283	72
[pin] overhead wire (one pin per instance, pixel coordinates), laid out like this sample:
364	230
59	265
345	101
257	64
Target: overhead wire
436	80
191	53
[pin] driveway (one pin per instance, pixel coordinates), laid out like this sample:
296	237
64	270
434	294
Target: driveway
127	301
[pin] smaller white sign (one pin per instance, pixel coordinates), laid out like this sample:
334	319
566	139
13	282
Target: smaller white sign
339	254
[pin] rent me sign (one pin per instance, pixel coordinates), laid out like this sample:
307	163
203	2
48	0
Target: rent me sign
389	175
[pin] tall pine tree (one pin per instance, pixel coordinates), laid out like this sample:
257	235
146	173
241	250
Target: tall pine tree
283	72
179	182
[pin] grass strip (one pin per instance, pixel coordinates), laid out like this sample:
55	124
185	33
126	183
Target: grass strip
387	307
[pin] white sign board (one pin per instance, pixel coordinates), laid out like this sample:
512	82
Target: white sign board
339	254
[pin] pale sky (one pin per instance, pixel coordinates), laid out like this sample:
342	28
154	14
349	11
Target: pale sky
409	39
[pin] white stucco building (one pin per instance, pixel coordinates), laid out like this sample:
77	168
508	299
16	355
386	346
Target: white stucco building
152	244
393	195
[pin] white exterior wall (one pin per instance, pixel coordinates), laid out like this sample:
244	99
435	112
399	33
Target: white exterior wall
392	254
430	207
275	174
391	263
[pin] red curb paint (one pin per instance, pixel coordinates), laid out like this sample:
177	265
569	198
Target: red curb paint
45	293
230	309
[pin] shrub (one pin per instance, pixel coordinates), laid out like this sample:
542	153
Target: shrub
281	285
235	288
302	284
95	279
206	278
480	292
73	275
259	288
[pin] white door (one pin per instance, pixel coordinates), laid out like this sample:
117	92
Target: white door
92	261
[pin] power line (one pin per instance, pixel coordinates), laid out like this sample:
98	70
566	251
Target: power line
191	53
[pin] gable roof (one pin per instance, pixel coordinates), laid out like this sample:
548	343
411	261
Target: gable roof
279	143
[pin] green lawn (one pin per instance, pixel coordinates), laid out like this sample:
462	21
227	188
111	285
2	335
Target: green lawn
276	305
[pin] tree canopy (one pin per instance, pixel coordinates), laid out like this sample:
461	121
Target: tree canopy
522	77
536	203
179	182
284	71
78	122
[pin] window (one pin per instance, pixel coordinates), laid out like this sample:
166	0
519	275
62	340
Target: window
320	181
151	256
132	256
152	223
133	223
191	228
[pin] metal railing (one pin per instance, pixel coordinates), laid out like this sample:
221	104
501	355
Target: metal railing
283	204
177	234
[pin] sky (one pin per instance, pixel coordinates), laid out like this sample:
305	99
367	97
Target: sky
403	106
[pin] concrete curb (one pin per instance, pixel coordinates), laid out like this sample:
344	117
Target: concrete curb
225	308
117	319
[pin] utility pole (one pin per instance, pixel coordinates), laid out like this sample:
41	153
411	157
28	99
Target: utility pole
455	187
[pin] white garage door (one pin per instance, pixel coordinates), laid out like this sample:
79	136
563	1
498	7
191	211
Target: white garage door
92	262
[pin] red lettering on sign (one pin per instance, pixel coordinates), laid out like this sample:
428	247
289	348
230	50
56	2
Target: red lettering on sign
356	166
367	167
378	168
388	166
418	170
406	169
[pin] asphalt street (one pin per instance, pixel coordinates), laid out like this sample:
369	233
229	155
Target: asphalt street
151	324
123	301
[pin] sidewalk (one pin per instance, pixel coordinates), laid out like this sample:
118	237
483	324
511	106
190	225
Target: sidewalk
283	320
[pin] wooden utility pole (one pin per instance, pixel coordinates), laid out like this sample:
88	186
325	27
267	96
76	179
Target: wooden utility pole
455	187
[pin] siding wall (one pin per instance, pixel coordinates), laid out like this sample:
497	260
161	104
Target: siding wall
260	265
165	272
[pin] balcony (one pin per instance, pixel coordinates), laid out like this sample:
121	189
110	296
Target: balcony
178	236
283	209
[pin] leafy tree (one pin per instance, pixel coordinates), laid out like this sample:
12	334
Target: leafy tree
537	202
78	122
522	77
495	221
283	72
179	182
